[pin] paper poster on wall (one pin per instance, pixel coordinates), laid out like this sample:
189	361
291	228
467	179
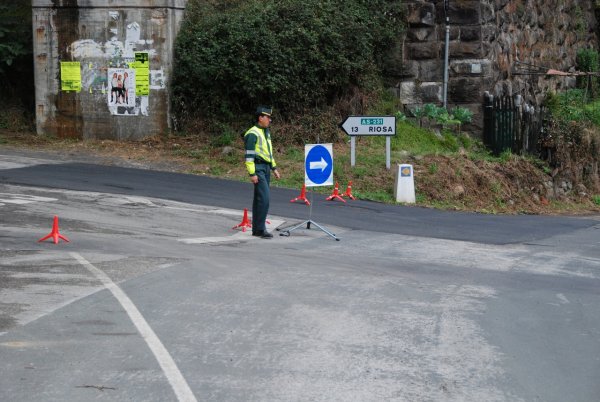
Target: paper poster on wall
70	76
142	73
157	79
121	94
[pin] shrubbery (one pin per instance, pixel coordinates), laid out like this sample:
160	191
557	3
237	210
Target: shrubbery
573	137
294	55
588	61
16	67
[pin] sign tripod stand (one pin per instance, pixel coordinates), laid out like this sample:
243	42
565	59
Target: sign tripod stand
287	232
318	168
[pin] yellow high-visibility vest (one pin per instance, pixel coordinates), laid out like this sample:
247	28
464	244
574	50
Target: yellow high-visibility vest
262	150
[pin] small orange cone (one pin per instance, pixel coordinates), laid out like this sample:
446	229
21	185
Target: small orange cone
348	192
335	194
246	223
302	196
54	233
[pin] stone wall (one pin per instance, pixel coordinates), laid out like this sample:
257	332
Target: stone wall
488	38
102	39
493	46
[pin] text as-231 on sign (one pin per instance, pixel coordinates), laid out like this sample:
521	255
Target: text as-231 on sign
371	121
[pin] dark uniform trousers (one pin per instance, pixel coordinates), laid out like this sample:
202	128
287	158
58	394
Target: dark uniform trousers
260	203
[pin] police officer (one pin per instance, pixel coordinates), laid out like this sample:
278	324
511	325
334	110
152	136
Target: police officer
260	163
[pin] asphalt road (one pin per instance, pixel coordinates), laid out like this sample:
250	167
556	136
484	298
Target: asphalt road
157	298
360	215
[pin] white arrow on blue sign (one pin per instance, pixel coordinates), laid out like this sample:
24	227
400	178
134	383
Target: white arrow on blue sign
318	165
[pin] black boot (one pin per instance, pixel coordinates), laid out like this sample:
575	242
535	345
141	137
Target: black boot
266	235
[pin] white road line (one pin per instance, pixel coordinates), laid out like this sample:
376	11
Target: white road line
176	379
10	198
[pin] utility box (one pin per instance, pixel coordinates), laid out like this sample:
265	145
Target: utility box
405	185
102	67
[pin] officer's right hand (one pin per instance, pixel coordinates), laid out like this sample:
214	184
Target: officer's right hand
254	179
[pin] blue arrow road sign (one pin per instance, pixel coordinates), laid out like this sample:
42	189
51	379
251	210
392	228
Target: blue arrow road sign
318	165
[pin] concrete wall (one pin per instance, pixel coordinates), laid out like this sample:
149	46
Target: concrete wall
103	37
488	39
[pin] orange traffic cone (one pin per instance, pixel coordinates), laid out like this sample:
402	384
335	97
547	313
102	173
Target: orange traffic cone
335	194
246	223
54	233
302	196
348	192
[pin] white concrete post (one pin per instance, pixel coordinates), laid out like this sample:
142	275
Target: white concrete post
405	185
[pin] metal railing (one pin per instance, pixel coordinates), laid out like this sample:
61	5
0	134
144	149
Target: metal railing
509	124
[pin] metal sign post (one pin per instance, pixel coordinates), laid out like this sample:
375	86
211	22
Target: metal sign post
318	171
369	125
446	53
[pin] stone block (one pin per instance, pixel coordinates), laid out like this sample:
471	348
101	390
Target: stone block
420	34
420	14
410	68
487	12
408	93
467	12
488	33
431	70
431	92
500	4
424	50
470	34
463	50
470	67
425	92
464	90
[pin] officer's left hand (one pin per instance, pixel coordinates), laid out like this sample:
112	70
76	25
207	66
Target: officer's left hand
277	174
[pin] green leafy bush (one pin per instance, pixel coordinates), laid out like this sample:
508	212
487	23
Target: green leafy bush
431	111
15	33
400	116
571	106
592	112
440	115
588	61
16	52
572	137
463	115
575	150
567	106
419	114
294	55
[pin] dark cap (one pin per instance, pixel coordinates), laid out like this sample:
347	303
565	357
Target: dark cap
264	110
